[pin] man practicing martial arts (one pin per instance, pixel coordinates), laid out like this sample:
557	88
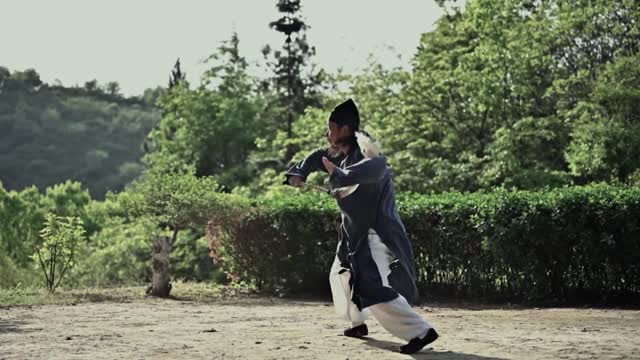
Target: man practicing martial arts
374	268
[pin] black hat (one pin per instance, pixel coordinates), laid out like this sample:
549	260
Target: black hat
346	114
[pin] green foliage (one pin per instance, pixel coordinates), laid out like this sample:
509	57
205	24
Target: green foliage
504	93
23	215
214	126
508	161
617	88
283	243
605	141
604	151
558	244
478	74
67	199
295	83
117	249
179	200
8	272
57	251
119	254
191	260
511	94
22	218
52	133
494	91
308	134
13	276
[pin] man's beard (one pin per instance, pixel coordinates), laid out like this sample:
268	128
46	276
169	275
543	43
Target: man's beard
334	149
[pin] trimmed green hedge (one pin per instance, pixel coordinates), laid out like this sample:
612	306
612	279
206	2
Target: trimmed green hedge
562	244
280	244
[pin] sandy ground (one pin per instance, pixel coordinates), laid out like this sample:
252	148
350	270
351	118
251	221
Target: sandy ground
284	329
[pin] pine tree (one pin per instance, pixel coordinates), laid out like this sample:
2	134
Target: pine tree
294	89
176	75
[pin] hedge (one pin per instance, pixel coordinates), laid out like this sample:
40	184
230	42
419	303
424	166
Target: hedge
560	244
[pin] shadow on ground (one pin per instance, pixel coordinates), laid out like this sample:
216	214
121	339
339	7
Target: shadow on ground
427	352
14	326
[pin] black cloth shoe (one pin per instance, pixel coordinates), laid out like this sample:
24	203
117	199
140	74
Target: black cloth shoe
417	344
357	332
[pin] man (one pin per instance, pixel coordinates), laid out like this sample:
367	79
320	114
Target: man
374	269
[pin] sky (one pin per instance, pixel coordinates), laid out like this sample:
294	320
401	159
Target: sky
136	42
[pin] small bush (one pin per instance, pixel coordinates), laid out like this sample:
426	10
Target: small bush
56	253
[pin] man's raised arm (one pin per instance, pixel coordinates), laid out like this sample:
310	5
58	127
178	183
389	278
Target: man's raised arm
313	162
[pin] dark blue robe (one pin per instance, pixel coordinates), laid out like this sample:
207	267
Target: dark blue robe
371	206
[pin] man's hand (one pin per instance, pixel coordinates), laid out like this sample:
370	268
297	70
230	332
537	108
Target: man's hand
295	181
328	165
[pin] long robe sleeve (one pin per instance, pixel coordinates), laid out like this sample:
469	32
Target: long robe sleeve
313	162
366	171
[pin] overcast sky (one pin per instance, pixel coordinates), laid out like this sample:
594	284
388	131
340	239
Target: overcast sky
136	42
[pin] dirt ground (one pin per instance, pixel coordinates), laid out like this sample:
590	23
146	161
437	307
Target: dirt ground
285	329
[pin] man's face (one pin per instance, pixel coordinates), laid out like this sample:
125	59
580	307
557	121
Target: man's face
336	133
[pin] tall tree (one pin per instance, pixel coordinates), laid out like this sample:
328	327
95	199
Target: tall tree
212	127
295	89
177	75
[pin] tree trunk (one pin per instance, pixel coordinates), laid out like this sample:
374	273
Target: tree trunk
161	285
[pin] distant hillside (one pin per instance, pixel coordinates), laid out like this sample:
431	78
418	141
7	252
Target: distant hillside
49	134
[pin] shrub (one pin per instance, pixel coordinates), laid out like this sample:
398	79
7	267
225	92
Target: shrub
563	243
56	253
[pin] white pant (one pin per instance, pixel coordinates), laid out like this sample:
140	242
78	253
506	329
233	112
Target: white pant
396	316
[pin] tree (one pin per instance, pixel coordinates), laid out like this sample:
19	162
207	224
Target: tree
176	201
56	253
5	78
293	84
151	95
295	89
214	126
177	75
491	98
28	80
308	133
91	86
605	141
113	88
